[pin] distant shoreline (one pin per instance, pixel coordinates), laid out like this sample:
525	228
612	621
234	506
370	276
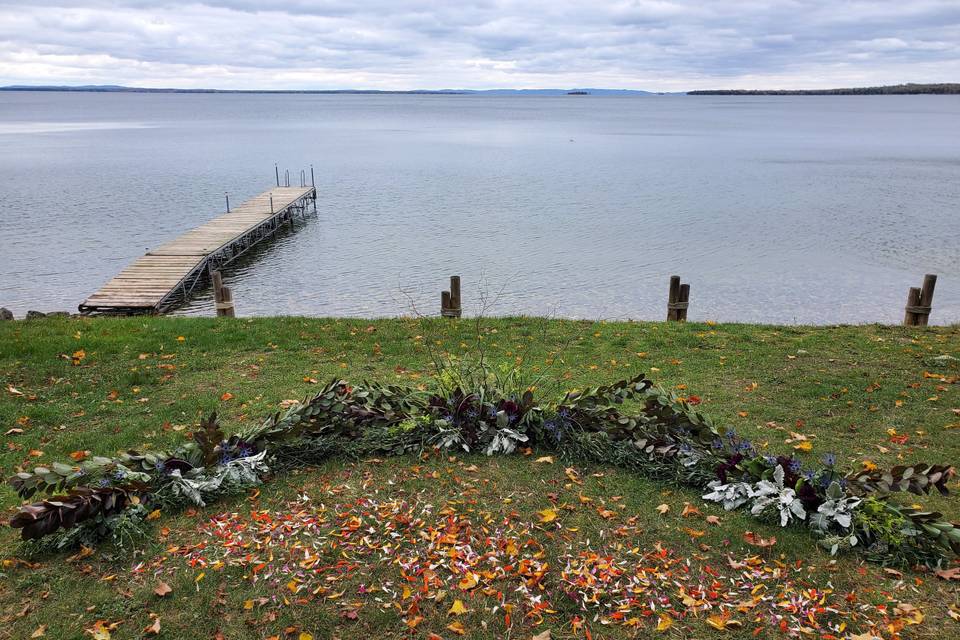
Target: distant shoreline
949	88
441	92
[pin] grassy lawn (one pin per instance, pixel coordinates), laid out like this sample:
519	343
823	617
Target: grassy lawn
105	385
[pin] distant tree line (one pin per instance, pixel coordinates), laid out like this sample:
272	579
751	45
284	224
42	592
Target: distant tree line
897	89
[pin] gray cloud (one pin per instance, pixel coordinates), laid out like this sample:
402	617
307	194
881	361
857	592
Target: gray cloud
405	44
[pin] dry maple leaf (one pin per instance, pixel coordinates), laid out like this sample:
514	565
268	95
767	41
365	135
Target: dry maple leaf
689	510
99	631
458	609
542	636
722	624
712	520
162	589
753	539
39	632
949	574
457	628
226	396
153	629
547	515
545	460
663	508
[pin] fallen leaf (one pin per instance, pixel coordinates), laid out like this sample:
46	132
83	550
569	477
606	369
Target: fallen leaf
457	609
162	589
806	445
13	390
910	613
545	460
226	396
39	632
663	508
153	629
457	628
664	623
99	631
547	515
712	520
949	574
468	582
77	456
722	624
753	539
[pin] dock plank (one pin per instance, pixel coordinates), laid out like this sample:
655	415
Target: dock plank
148	281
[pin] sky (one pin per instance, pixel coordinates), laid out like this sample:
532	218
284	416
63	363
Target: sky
656	45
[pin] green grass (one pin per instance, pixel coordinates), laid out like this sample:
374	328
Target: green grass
143	383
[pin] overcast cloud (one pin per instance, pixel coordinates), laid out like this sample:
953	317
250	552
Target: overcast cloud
665	45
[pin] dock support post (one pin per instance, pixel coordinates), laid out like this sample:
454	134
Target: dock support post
227	196
276	169
222	295
678	300
313	182
450	300
920	303
271	203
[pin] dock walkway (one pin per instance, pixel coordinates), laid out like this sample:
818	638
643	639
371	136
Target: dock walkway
166	276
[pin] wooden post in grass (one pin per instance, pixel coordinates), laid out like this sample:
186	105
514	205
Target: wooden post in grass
920	303
450	300
678	300
222	295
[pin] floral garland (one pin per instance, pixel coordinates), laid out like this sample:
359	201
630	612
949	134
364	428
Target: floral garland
630	423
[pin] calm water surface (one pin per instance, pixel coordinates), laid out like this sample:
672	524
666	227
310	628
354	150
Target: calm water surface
776	209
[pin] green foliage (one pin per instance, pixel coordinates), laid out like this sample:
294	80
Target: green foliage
80	504
208	437
630	423
919	479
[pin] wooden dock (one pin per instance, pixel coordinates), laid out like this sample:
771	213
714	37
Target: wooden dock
166	276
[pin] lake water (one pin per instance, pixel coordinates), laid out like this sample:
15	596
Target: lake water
802	209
